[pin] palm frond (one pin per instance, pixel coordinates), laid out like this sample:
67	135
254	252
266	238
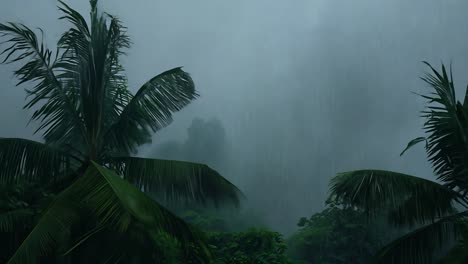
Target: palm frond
151	109
447	126
112	201
90	65
459	253
117	96
23	160
410	199
15	220
56	105
118	204
413	143
418	246
178	180
53	228
136	245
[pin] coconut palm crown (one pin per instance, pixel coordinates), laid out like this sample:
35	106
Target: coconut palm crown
92	126
435	211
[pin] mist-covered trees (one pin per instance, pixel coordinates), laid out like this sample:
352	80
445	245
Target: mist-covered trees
92	125
206	142
436	211
339	234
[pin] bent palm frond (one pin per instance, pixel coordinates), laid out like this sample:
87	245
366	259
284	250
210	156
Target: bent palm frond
23	160
151	109
53	228
56	105
119	205
447	126
410	199
178	180
419	245
136	245
413	143
114	203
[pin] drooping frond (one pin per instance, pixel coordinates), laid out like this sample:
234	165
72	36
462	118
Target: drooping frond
23	160
136	245
53	228
178	180
56	105
151	109
112	201
419	246
119	205
410	199
413	143
447	126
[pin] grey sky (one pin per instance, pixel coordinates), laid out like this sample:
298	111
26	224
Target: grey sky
306	88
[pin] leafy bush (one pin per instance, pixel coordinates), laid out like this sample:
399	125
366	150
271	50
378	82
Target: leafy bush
336	235
251	246
227	247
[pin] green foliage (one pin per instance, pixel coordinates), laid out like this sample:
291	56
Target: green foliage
230	246
252	246
336	235
151	176
91	124
438	211
410	199
212	219
459	253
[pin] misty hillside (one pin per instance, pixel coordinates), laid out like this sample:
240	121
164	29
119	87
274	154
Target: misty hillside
291	93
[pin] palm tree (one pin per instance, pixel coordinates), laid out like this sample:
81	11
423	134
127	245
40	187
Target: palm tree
92	126
434	210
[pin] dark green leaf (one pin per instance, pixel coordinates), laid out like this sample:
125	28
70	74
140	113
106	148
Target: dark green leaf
420	245
410	199
151	109
178	180
23	160
413	143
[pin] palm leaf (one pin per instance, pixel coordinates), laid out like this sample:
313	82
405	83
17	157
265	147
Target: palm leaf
459	253
117	94
23	160
118	204
136	245
53	228
178	180
90	65
410	199
413	143
56	106
419	245
447	126
15	220
112	201
151	109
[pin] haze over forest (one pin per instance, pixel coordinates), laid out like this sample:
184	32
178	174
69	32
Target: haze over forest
292	92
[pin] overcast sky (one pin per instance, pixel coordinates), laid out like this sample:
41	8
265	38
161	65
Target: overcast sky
303	88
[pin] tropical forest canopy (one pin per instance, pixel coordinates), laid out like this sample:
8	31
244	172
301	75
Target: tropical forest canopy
270	168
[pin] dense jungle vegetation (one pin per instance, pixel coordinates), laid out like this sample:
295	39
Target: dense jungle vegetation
82	195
